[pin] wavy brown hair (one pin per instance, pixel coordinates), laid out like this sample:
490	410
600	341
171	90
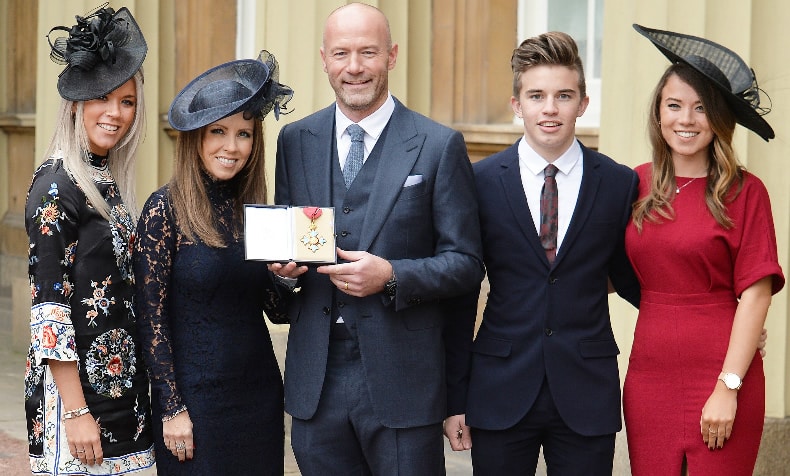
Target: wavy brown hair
193	211
725	174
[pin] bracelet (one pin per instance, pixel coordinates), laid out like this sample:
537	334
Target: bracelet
76	413
170	417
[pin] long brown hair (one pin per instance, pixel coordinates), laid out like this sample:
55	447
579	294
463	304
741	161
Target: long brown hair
725	174
193	211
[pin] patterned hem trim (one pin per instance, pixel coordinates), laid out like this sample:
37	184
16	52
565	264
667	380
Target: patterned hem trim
127	464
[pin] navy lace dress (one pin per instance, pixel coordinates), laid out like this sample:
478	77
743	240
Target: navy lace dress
206	343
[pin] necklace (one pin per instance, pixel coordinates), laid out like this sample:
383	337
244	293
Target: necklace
678	189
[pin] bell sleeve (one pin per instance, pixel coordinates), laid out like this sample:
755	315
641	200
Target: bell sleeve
51	221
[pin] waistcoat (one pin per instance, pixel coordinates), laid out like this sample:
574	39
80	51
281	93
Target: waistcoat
350	209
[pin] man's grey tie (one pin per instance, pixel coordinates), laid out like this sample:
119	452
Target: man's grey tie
355	153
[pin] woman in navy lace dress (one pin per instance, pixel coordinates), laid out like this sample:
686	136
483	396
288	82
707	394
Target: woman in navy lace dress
216	386
86	395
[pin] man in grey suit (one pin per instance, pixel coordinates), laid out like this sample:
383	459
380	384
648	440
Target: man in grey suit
365	366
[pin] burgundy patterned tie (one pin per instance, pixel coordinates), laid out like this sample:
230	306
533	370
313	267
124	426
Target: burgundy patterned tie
548	212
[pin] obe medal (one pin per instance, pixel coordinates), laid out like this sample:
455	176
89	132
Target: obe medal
313	239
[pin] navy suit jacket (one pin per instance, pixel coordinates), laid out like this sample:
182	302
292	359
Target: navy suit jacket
551	321
429	231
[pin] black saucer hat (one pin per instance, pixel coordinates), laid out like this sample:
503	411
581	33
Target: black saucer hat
243	85
723	67
103	50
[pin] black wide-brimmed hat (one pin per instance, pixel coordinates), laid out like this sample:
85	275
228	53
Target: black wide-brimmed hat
247	85
723	67
103	50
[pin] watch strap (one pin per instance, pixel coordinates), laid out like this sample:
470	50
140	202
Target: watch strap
391	286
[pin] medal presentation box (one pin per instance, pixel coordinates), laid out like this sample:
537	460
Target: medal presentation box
276	233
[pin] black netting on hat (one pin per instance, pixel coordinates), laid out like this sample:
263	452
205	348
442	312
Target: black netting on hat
101	52
248	86
273	95
723	67
93	39
730	64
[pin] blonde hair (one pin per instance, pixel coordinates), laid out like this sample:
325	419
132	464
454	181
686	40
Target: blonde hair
70	141
725	173
193	211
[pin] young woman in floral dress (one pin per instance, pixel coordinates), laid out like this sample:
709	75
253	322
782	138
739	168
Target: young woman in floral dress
86	394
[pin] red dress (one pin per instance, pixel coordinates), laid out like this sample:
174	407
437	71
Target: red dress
691	270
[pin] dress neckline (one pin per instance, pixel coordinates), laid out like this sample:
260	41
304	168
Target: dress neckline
95	160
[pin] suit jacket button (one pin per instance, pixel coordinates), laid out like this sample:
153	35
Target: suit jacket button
552	280
346	209
343	233
341	304
326	310
548	331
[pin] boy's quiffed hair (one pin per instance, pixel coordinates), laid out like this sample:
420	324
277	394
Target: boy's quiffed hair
552	48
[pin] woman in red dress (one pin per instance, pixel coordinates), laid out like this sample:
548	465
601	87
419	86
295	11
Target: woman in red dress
703	245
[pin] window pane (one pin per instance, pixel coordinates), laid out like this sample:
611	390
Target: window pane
598	37
583	20
570	16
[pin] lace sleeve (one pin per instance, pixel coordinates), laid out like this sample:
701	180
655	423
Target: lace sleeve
51	222
153	258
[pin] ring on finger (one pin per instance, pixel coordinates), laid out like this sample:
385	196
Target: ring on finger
80	451
711	430
181	446
346	285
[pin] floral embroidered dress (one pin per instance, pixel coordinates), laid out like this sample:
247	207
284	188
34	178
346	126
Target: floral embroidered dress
206	342
81	286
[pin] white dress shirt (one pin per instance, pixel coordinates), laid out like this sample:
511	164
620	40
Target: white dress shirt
373	125
569	180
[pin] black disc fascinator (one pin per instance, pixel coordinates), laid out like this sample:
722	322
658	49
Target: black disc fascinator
249	86
722	67
102	51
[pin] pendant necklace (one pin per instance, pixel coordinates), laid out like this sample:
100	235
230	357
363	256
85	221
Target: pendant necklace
678	189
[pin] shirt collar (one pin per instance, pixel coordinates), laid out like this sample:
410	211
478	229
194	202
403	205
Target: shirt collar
374	124
535	163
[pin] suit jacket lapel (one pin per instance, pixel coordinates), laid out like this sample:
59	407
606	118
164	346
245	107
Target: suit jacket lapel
513	189
591	181
399	153
317	140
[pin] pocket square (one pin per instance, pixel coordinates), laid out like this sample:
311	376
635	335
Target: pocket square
412	180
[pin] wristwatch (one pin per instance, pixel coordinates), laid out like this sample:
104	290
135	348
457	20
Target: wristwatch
731	380
391	286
